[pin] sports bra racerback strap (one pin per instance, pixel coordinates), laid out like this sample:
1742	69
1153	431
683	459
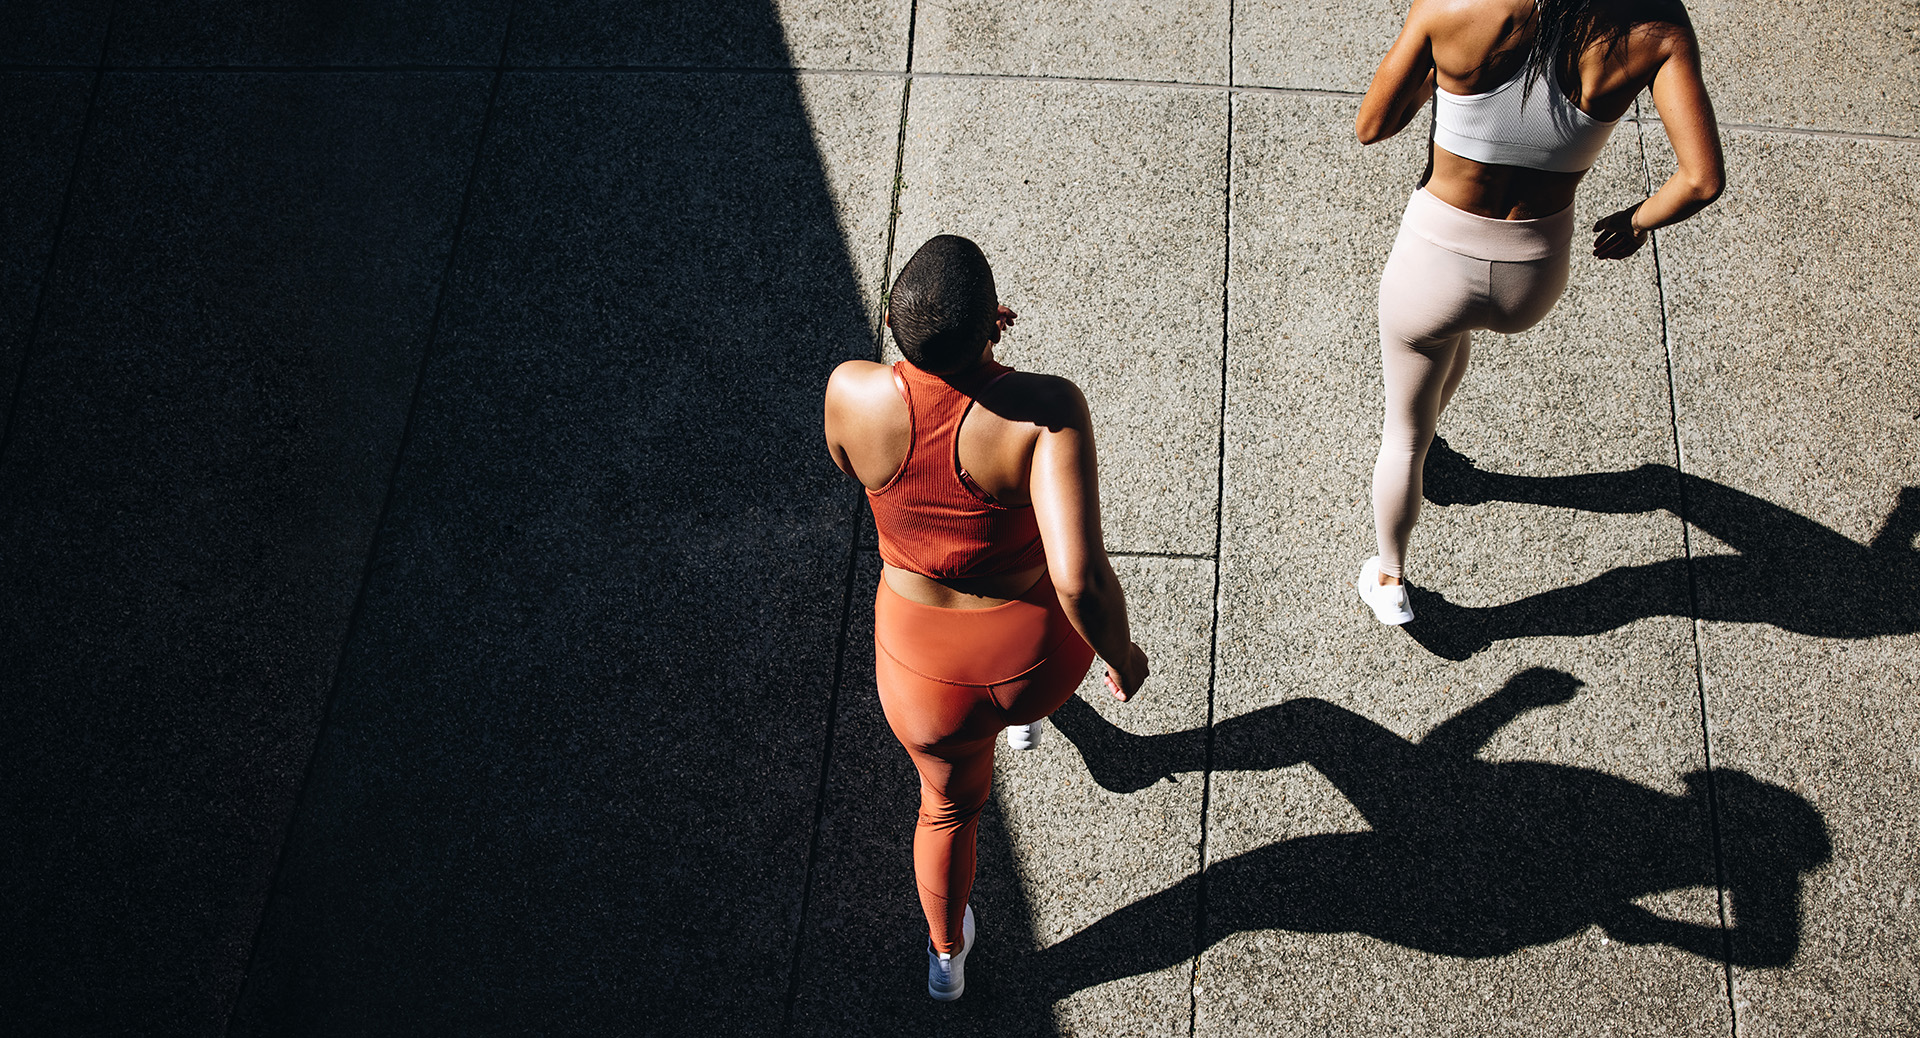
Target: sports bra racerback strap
931	517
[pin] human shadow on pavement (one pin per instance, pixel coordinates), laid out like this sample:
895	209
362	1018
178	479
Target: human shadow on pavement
1465	857
1790	572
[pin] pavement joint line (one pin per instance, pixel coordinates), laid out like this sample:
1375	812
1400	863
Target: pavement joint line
357	613
1186	555
829	729
1166	84
1219	532
893	195
1693	607
37	322
1803	131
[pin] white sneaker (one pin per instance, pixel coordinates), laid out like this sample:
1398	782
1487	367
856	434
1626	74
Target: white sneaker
1388	601
1023	736
946	974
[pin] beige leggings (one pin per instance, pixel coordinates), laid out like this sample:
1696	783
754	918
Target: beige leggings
1450	273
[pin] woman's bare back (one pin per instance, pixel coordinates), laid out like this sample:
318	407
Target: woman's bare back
1477	45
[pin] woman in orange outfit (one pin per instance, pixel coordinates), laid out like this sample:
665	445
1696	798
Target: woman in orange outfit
995	593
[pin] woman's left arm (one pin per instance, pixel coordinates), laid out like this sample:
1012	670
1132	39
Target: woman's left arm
1401	85
1680	96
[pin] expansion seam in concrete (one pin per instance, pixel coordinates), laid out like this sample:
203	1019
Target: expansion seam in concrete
826	770
854	551
1219	528
768	70
1804	131
357	614
1693	606
35	324
1161	555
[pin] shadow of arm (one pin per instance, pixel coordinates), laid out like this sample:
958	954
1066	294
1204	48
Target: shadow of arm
1766	930
1465	733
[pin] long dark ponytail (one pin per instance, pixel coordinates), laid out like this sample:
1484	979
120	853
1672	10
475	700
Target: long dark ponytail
1566	29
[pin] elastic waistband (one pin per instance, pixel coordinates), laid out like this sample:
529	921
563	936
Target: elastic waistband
971	646
1483	237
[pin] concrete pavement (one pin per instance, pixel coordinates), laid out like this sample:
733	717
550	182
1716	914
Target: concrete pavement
429	609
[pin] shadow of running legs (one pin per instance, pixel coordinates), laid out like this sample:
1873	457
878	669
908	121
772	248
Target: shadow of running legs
1463	857
1790	571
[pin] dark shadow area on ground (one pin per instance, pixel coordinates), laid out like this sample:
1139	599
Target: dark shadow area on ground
207	416
568	784
1465	857
567	778
1790	572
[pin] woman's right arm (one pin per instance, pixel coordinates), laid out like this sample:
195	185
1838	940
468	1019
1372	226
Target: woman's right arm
1065	488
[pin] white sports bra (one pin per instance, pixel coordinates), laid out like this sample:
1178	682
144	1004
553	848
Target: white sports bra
1547	132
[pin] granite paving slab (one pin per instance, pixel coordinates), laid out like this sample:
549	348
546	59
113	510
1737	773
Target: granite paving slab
1794	307
1312	44
1495	790
1812	63
53	32
301	32
41	116
568	783
1105	812
1075	39
800	34
1103	214
207	428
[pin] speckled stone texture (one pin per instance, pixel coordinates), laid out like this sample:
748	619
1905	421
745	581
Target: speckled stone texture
1122	296
41	115
53	32
202	444
1312	44
302	32
802	34
1483	796
1812	63
1076	39
569	779
1794	305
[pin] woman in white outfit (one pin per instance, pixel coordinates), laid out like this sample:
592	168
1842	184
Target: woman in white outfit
1525	96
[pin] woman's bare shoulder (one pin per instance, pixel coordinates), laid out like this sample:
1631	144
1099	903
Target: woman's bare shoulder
856	380
1046	401
1443	17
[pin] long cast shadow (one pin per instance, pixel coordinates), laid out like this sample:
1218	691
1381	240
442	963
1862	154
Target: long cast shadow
1790	572
1465	857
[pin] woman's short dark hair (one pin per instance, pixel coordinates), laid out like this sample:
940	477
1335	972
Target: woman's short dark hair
943	305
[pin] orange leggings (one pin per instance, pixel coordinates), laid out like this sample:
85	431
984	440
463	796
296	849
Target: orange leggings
950	680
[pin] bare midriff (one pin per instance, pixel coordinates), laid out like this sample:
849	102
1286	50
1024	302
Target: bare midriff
962	592
1499	192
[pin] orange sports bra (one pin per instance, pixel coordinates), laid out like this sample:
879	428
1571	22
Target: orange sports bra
932	518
